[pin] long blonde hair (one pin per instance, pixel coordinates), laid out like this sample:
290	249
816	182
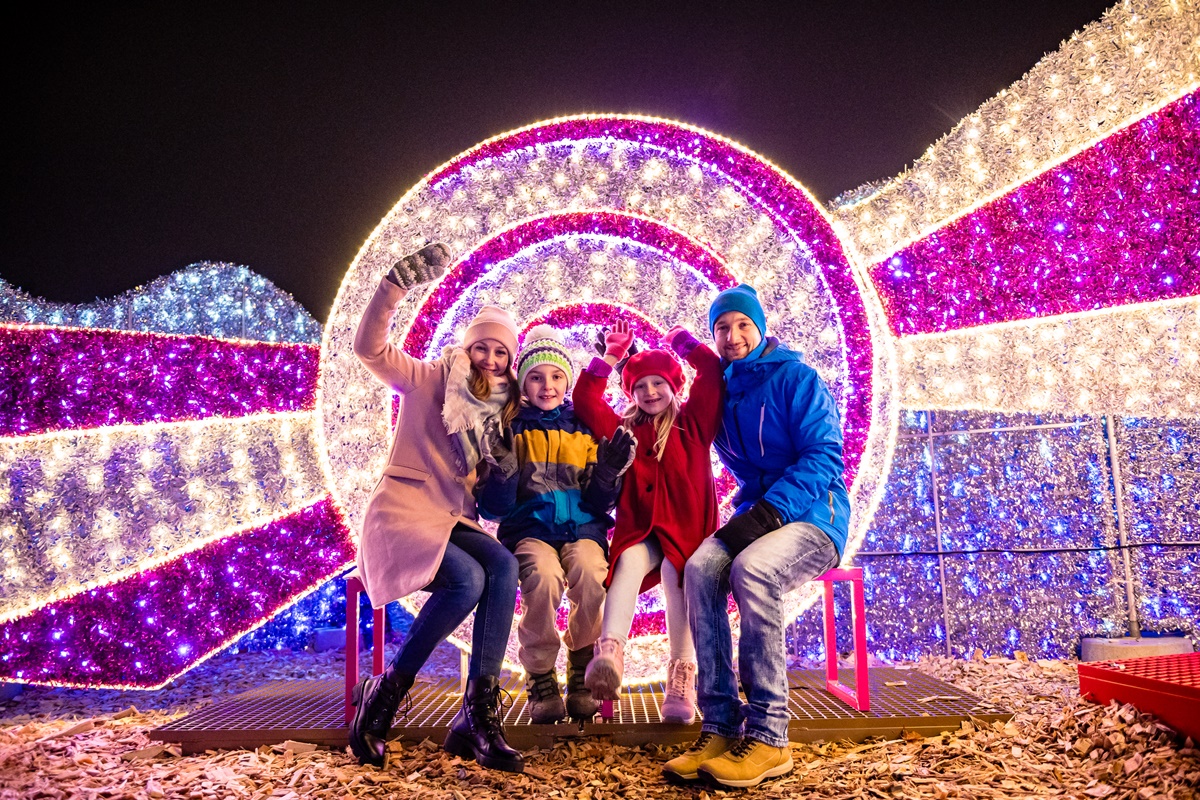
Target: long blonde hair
663	422
481	388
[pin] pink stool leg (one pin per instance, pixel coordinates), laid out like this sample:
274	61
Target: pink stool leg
353	588
858	616
859	697
377	644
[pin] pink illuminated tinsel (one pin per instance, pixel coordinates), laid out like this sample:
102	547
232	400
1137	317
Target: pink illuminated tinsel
143	630
59	378
1117	224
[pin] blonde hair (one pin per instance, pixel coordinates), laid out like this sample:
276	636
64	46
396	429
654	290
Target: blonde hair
481	388
663	422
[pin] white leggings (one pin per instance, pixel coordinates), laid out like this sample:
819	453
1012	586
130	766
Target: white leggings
632	566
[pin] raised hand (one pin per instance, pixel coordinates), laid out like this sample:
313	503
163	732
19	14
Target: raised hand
618	340
423	266
681	340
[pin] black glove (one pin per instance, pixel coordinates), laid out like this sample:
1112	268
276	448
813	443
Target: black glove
741	531
497	450
423	266
601	347
615	455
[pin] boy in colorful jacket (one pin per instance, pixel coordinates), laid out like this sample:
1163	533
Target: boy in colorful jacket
552	486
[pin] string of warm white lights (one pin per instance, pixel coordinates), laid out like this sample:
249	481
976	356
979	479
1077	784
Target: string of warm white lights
1139	361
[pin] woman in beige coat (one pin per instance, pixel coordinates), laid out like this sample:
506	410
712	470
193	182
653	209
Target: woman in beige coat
420	532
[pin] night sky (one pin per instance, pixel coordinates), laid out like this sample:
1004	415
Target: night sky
277	135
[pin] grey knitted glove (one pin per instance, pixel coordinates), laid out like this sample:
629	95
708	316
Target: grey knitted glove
423	266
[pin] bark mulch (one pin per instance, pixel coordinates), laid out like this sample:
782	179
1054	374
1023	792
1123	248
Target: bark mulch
59	743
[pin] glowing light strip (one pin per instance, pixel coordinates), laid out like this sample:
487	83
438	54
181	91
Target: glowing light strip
1142	361
145	630
1114	225
80	509
54	378
1140	56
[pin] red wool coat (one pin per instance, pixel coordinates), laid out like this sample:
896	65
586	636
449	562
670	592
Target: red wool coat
675	499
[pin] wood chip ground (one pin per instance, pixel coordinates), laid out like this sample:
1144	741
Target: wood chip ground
61	743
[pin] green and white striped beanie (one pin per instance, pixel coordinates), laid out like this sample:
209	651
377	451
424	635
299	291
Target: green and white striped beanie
543	345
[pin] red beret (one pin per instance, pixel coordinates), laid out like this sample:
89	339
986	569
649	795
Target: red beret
652	362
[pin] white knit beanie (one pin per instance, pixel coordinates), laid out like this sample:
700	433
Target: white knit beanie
493	322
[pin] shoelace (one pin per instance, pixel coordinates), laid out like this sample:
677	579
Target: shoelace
679	683
495	706
742	748
544	686
702	742
388	699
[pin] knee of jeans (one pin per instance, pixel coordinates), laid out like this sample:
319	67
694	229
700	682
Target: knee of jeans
503	568
468	581
706	564
745	572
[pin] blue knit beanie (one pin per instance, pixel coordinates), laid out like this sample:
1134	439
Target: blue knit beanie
741	298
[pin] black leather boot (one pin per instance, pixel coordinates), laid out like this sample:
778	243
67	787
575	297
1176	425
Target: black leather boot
581	706
375	701
476	731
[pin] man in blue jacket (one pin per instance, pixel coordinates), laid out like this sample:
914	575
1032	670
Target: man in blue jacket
782	440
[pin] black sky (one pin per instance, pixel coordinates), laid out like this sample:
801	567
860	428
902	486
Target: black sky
276	135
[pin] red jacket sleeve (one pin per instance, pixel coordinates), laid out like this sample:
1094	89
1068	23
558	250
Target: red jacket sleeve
589	402
703	407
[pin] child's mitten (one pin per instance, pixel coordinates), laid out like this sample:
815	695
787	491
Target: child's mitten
497	449
616	454
681	340
742	530
423	266
602	349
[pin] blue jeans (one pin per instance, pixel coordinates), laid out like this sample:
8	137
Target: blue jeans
759	577
477	572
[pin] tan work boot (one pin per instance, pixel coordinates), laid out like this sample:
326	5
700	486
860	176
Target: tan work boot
605	674
747	764
683	769
679	705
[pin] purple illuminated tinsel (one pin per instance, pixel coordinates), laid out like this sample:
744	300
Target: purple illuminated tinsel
1117	224
146	629
60	378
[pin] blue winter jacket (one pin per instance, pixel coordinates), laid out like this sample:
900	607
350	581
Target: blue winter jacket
781	438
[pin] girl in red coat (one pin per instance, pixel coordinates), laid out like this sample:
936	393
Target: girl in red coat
668	504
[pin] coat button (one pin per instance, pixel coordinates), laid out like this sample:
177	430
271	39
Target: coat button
649	488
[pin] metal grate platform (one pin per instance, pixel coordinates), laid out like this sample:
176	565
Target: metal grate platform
312	711
1166	686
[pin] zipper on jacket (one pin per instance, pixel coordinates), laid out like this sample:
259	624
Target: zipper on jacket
762	415
831	508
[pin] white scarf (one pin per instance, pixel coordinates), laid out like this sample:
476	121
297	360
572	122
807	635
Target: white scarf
464	414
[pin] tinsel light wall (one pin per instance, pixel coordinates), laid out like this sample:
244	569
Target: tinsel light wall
1011	330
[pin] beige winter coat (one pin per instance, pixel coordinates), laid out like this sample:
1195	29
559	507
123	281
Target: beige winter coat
424	492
